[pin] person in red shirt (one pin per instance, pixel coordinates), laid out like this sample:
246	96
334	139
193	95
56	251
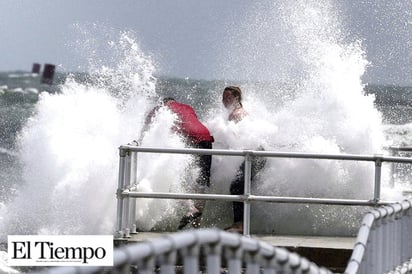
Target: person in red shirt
195	135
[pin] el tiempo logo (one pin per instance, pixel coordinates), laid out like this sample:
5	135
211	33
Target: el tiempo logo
60	250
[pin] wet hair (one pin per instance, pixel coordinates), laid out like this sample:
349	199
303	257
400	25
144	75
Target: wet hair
236	91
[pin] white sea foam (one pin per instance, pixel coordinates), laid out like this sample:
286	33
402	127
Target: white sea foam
326	112
69	151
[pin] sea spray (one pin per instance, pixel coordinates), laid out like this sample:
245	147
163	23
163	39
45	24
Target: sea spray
324	110
69	150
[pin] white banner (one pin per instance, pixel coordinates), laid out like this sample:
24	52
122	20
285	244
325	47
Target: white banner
60	250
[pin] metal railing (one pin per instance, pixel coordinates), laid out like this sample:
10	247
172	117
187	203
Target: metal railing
384	242
383	245
128	167
201	251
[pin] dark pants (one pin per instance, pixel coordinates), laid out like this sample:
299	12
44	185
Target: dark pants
237	186
204	162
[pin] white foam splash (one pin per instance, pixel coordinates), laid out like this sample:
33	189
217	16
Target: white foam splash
69	151
322	110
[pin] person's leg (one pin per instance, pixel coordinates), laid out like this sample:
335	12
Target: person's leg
237	187
204	162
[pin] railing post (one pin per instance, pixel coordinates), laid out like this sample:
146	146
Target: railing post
213	258
234	259
247	192
378	173
119	221
133	180
392	179
126	201
190	258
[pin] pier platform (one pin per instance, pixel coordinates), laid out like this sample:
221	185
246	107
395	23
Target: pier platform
330	252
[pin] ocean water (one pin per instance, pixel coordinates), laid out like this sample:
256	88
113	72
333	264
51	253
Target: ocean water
59	143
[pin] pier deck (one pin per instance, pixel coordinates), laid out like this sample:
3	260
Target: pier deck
330	252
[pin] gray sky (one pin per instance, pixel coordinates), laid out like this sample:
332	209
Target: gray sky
200	39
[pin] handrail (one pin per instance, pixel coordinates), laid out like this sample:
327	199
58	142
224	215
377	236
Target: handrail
274	154
127	154
221	250
240	198
400	148
260	153
383	244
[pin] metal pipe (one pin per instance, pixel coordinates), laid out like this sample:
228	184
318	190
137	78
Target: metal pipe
378	171
119	197
391	179
133	167
259	153
400	148
132	202
126	201
256	153
240	198
247	193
